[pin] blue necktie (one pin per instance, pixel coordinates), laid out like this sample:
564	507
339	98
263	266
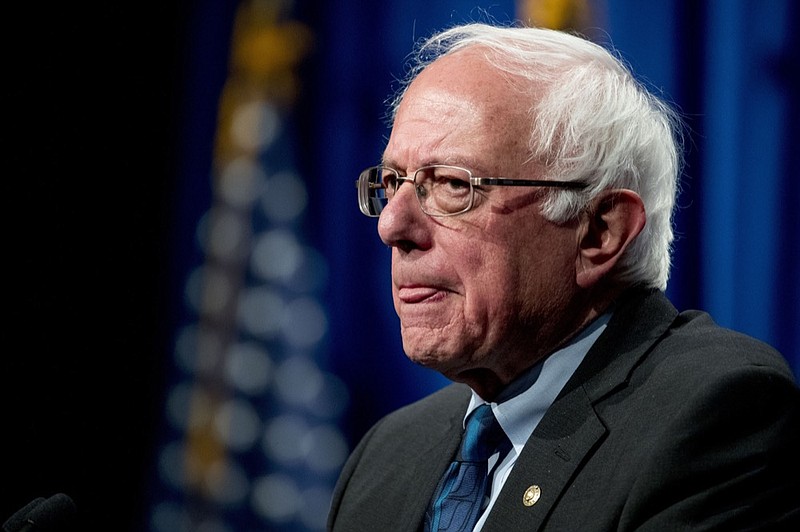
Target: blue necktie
457	502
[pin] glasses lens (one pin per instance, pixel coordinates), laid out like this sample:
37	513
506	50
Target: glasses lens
372	191
444	190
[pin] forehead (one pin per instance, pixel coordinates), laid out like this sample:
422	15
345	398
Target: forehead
459	110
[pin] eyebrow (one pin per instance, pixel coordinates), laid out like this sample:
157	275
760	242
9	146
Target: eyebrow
463	162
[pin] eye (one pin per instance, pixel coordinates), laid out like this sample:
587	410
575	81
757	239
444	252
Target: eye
444	190
451	181
456	183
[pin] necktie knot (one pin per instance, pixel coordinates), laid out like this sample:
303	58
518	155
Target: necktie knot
483	436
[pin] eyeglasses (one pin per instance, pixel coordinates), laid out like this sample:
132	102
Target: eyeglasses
441	190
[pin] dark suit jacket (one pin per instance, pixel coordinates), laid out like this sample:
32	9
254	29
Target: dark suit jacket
670	423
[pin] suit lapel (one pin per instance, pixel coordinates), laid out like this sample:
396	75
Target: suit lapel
547	462
571	428
434	459
637	324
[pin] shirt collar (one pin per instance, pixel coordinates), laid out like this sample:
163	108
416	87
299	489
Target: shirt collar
522	404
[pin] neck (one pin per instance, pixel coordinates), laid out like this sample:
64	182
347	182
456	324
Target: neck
490	383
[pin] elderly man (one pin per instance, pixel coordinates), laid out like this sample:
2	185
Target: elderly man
527	191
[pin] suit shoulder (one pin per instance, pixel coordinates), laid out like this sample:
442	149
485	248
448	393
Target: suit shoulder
696	337
432	408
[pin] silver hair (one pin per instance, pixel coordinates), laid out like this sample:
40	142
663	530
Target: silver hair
591	121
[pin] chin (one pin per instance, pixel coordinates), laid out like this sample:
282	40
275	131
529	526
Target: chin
445	361
424	355
424	359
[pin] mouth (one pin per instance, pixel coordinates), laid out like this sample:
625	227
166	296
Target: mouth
420	294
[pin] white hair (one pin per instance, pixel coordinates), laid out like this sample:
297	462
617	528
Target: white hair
591	121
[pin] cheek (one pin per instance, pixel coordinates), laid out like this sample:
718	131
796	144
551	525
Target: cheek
491	281
546	283
527	274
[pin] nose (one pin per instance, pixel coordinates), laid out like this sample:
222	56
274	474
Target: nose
402	223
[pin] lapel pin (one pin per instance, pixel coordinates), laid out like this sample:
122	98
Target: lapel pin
531	495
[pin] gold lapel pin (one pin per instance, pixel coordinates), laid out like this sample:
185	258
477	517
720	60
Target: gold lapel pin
531	495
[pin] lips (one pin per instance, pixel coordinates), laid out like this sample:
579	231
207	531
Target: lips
419	294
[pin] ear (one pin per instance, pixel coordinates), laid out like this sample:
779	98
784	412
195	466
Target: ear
615	218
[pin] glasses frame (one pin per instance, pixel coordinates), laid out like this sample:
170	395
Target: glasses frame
365	186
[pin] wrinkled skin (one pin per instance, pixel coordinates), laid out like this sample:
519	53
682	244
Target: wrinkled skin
484	295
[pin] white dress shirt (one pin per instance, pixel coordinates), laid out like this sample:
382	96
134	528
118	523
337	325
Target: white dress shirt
521	406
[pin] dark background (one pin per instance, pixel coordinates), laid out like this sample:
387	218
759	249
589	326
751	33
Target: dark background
91	104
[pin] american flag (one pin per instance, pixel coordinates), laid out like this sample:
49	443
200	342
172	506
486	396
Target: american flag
252	438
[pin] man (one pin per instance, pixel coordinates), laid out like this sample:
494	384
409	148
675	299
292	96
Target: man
527	191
